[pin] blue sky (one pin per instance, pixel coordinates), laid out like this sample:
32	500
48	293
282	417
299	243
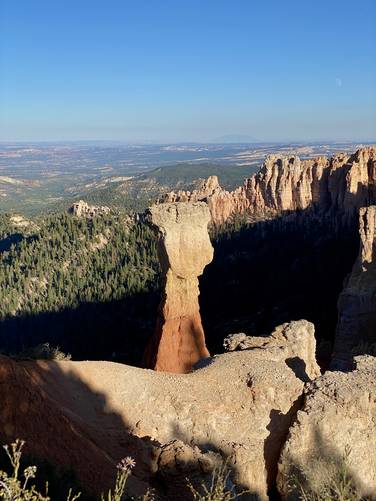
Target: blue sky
187	70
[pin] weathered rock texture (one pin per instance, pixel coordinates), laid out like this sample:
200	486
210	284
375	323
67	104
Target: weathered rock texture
339	185
356	329
222	204
338	420
292	337
184	251
88	415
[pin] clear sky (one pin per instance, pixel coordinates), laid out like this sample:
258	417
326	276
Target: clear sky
187	70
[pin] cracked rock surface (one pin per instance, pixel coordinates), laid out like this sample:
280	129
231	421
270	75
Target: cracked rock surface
337	423
88	415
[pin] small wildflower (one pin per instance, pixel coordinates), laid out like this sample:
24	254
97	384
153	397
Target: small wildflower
30	472
126	464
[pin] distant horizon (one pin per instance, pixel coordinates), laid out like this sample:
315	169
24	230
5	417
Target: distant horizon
185	142
189	71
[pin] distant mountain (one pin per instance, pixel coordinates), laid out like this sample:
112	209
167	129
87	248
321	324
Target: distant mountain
235	138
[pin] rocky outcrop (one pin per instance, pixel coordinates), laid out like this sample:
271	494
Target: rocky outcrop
222	204
83	209
184	251
289	337
88	415
338	186
356	329
334	434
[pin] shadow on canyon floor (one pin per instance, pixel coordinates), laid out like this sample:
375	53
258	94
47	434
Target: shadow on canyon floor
271	272
113	330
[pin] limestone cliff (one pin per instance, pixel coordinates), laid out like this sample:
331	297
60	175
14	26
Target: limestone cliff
184	251
338	186
357	302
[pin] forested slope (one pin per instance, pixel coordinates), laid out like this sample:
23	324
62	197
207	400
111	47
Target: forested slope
53	270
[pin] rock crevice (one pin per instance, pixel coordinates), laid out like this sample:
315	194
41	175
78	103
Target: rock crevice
334	433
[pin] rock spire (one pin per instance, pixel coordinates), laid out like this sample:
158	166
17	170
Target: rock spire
184	251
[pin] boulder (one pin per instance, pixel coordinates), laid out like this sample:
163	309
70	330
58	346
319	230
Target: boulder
291	338
334	436
184	251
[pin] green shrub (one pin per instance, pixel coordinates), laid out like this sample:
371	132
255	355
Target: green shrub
43	351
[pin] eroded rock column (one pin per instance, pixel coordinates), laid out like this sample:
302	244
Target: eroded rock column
184	250
356	328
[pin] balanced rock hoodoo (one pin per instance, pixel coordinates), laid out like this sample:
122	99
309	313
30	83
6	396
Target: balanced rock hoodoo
184	250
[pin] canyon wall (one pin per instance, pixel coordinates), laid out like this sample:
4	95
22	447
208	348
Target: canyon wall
327	193
222	204
357	303
338	186
184	251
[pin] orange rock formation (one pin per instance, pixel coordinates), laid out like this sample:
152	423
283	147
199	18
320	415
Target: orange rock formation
340	185
184	251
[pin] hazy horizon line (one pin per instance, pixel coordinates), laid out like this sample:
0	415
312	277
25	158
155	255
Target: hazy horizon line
146	142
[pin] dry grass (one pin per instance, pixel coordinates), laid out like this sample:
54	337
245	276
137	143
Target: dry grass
220	488
18	485
324	480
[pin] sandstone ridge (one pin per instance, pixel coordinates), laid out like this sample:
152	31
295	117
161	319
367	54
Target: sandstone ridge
83	209
339	186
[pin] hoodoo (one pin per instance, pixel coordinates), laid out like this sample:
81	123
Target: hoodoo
356	305
184	250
